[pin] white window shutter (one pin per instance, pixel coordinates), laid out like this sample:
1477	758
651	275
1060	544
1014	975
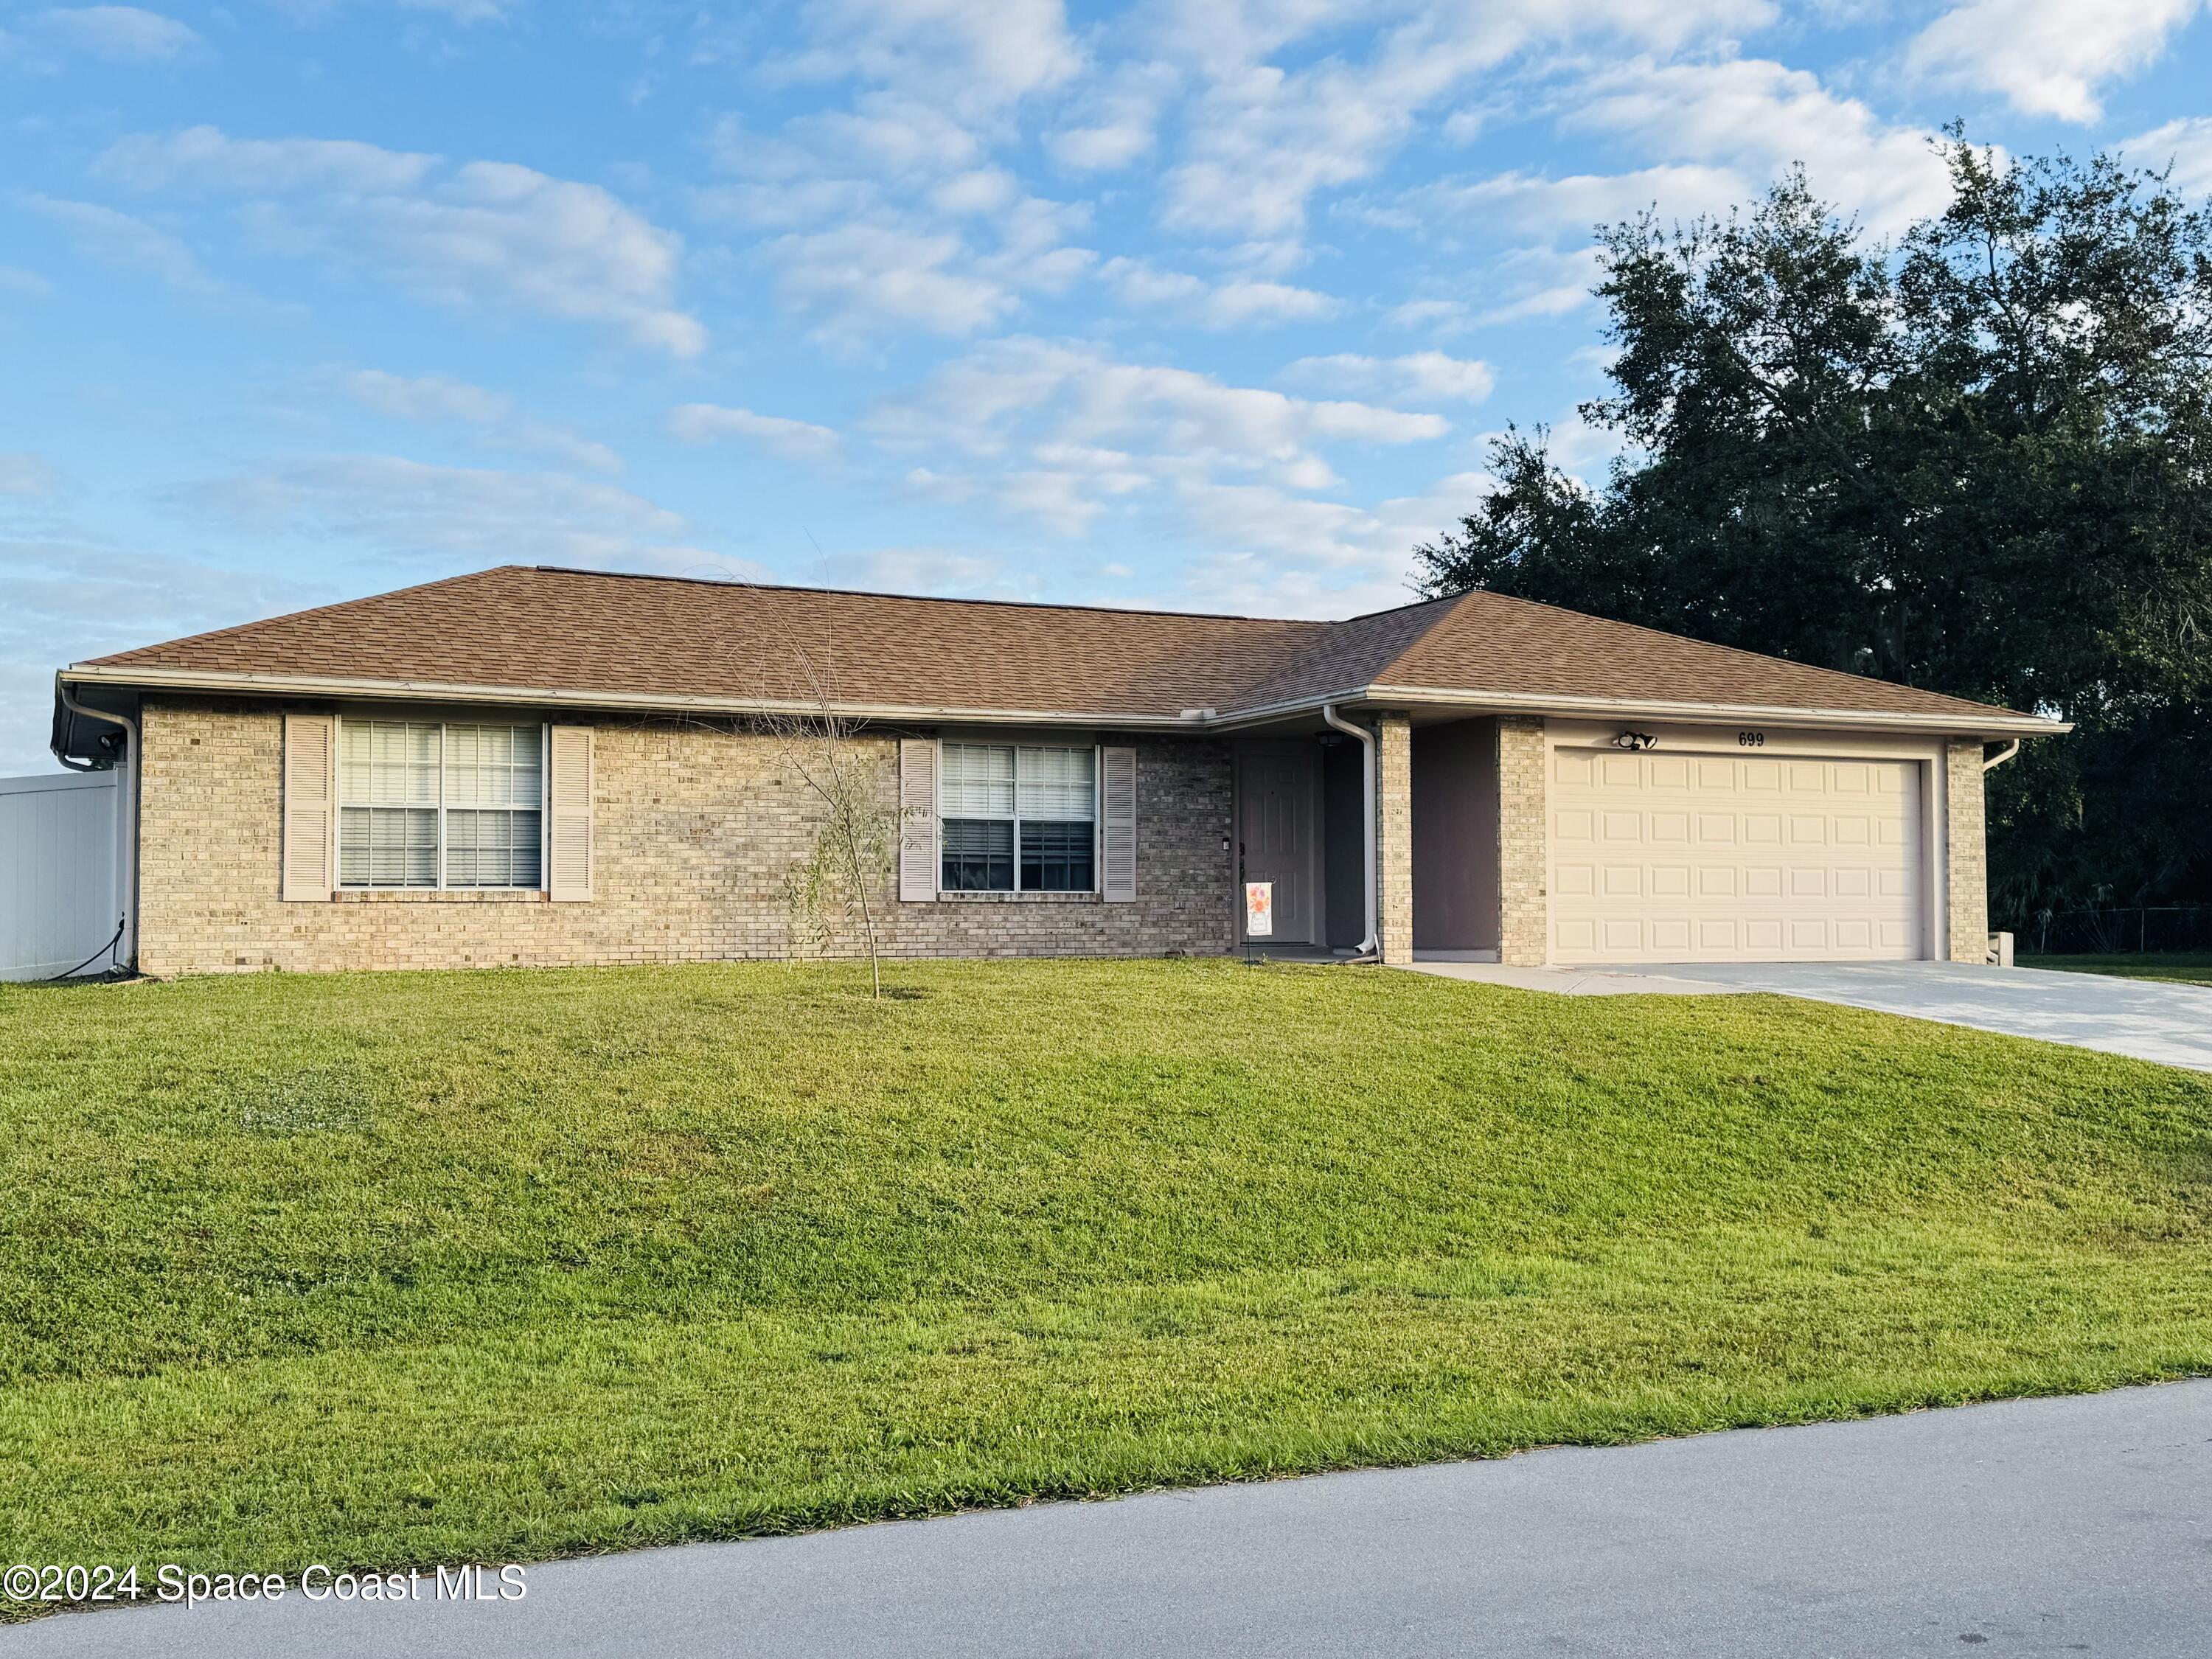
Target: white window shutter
310	784
569	831
1117	823
917	818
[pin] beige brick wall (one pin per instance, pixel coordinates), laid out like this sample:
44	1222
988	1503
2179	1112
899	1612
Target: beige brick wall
1524	922
1394	839
695	830
1966	842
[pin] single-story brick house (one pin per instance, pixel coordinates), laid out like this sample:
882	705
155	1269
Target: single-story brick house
547	765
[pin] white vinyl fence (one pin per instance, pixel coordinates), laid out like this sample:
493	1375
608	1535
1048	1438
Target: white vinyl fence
59	891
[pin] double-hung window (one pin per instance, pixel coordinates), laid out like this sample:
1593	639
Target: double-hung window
1017	818
427	803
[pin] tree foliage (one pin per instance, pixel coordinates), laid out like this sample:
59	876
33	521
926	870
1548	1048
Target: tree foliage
1978	460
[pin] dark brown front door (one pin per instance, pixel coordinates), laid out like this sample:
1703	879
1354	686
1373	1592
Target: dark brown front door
1275	837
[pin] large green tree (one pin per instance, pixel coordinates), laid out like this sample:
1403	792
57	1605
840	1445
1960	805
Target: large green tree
1978	460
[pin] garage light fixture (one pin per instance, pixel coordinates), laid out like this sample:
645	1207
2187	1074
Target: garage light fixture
1635	742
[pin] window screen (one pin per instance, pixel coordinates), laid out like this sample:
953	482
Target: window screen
426	804
1017	819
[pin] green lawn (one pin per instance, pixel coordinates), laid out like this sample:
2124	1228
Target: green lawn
398	1269
2184	967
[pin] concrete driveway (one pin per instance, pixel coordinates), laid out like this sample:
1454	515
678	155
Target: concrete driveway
2169	1024
2034	1527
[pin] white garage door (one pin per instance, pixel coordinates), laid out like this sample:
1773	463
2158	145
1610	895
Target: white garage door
1688	858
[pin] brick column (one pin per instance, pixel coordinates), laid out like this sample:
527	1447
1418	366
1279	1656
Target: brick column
1524	919
1394	838
1967	843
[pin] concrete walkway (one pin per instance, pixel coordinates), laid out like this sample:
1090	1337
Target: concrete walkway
2033	1526
2146	1018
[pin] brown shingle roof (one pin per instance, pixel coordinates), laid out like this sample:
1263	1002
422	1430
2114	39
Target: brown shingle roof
581	633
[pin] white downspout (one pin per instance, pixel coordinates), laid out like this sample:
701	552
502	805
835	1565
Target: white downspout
127	838
1369	946
2002	756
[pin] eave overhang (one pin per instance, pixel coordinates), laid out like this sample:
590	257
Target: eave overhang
1991	723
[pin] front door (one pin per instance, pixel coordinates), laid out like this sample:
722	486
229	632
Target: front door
1275	797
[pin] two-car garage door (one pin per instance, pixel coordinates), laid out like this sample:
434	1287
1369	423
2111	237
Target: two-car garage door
1745	858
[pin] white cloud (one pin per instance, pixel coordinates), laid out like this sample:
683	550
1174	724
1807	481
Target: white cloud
28	478
1263	139
1285	555
889	210
971	60
1114	123
2047	57
1100	148
1531	283
537	437
409	509
1577	204
868	276
871	275
207	156
1754	117
463	11
1233	302
978	190
932	570
111	34
891	219
1061	435
884	134
119	238
487	233
1720	133
1057	432
435	398
1417	376
426	397
2184	145
1092	399
1439	317
794	441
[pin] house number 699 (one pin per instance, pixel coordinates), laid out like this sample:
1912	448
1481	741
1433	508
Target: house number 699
1752	740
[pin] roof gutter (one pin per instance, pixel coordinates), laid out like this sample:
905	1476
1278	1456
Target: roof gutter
647	703
1993	721
1996	724
1370	947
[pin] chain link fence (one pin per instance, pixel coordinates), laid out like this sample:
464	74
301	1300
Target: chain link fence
2119	930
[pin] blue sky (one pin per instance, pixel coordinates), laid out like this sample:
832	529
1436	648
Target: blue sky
1191	303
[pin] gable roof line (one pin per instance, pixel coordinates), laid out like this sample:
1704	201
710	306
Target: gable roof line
516	632
1493	596
924	599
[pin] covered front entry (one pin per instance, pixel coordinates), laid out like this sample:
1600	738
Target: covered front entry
1659	857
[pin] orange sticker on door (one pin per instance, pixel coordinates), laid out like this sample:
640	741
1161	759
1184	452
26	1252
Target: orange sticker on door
1259	909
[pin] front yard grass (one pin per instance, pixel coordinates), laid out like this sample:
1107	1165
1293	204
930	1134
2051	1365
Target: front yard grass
2176	967
386	1270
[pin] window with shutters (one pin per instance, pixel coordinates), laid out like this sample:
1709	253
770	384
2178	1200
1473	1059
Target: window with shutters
1017	817
430	803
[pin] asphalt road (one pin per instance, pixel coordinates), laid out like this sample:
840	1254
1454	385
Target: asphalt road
2038	1527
